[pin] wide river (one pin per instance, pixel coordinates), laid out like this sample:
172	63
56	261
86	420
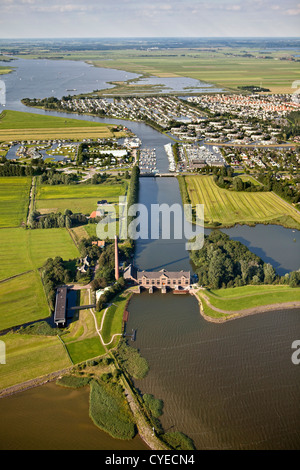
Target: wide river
227	386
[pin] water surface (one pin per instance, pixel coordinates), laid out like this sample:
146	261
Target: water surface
227	386
54	418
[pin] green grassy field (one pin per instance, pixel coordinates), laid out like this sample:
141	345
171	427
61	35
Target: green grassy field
14	200
20	120
16	125
29	356
22	300
77	198
230	207
24	250
85	349
238	299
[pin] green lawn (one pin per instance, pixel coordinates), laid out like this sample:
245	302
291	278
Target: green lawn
22	300
85	349
29	356
231	207
14	200
23	250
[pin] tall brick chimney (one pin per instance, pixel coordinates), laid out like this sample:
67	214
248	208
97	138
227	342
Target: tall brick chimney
116	258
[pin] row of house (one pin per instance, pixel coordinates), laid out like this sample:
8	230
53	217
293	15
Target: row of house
262	106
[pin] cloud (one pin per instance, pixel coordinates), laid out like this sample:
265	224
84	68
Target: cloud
293	11
61	8
149	17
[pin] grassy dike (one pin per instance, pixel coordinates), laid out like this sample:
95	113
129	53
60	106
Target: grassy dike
221	305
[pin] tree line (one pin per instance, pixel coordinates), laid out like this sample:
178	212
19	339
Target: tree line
56	220
37	168
224	178
284	189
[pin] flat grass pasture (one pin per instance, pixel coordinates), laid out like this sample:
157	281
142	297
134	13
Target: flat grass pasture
14	200
22	300
24	250
78	198
31	356
17	125
228	208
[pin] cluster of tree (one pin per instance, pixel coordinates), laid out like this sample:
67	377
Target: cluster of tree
292	279
110	293
100	178
253	88
105	273
175	152
82	155
56	220
222	262
86	248
284	189
53	177
237	184
54	273
292	128
14	169
49	103
36	168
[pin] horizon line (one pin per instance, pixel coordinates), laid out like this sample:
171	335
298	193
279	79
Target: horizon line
152	37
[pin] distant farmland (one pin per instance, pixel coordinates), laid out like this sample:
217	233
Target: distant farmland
226	208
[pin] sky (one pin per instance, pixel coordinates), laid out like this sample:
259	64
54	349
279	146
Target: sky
144	18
